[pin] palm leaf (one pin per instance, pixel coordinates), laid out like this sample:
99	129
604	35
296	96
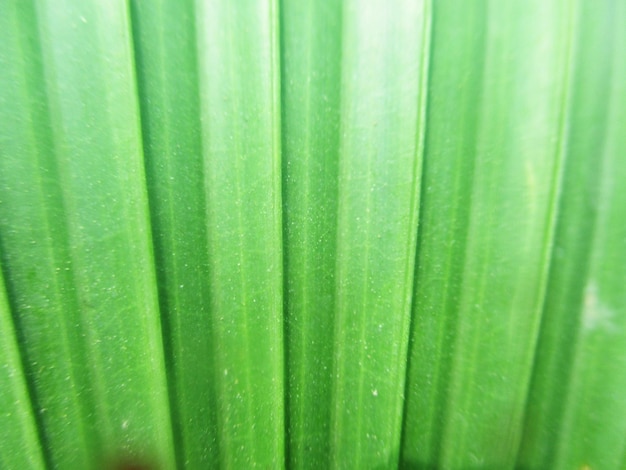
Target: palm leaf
312	234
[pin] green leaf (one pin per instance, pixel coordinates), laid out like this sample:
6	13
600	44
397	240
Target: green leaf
311	83
18	429
312	234
576	407
492	170
167	67
212	138
384	64
76	235
241	146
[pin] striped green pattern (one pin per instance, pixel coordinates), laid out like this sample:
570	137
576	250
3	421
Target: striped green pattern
313	234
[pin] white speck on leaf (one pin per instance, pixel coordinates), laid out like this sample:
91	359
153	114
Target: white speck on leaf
596	315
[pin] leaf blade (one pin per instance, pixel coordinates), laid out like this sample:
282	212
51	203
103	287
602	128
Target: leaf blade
379	168
241	145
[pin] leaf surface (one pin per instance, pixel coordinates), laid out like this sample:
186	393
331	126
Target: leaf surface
384	72
76	234
311	81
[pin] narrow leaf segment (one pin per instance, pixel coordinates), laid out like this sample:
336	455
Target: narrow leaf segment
311	82
21	446
75	234
494	156
239	79
576	407
384	71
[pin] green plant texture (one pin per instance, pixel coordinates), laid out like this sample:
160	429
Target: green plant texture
313	234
